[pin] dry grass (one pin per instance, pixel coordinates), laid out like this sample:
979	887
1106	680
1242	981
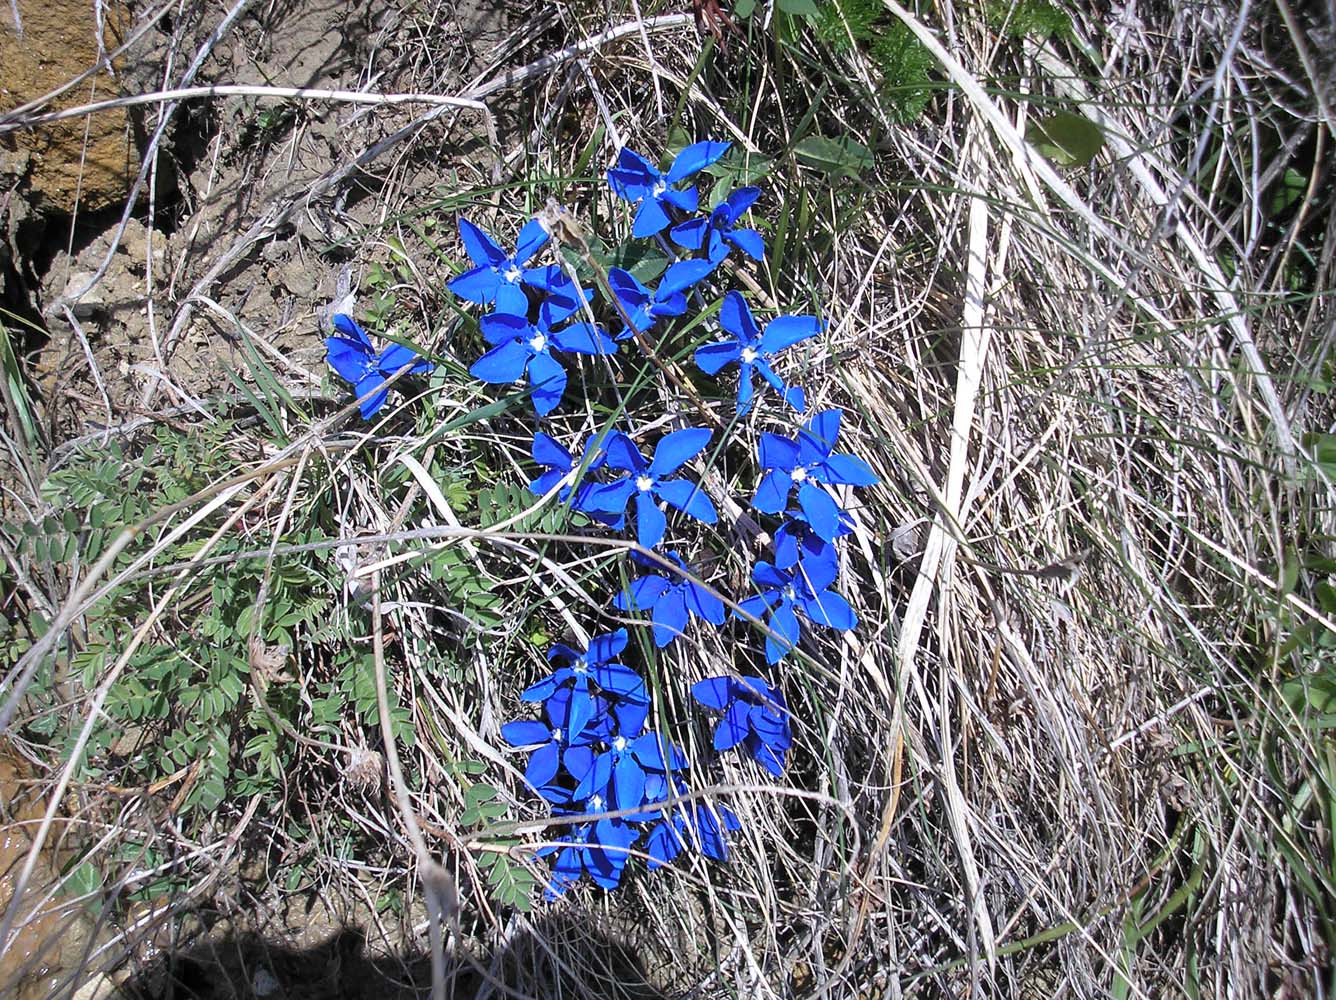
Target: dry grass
1054	759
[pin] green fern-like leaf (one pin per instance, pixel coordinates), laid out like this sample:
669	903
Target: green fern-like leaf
842	22
1035	18
905	66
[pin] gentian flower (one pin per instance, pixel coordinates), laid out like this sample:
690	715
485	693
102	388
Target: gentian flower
670	601
783	594
351	355
559	463
752	349
522	348
805	463
497	279
754	716
622	766
645	308
717	232
600	848
596	664
637	180
552	738
699	823
645	481
795	539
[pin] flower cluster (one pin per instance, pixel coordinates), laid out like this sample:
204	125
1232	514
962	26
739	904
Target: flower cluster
620	785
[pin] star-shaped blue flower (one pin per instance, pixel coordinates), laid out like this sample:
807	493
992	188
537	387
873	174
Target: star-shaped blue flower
670	601
809	463
647	482
636	180
578	670
551	738
350	353
559	462
795	539
699	823
620	770
755	716
752	350
645	308
599	848
783	594
522	348
718	231
497	279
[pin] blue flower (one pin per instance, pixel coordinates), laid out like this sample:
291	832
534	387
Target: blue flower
621	769
717	232
599	848
752	350
755	716
783	594
523	348
351	355
551	738
699	823
645	481
795	539
645	308
559	463
497	279
670	600
807	462
636	180
596	665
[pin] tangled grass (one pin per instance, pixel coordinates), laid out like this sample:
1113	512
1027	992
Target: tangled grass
1077	746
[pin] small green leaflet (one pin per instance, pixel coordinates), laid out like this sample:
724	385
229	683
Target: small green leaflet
835	157
1066	138
799	8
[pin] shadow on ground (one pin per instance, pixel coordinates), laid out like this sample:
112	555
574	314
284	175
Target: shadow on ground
554	957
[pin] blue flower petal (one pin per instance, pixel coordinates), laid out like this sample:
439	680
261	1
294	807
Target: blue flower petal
849	470
543	763
749	241
711	358
736	317
653	751
713	692
650	521
689	498
348	358
628	782
396	356
532	238
510	298
677	448
478	285
829	608
682	275
641	595
663	845
602	648
370	383
670	616
745	388
548	379
583	338
736	204
823	513
623	453
498	328
785	331
770	758
816	573
547	451
775	452
733	727
704	605
607	498
650	219
526	733
350	330
504	363
773	493
615	678
695	158
480	247
690	234
767	576
686	201
784	624
819	434
596	778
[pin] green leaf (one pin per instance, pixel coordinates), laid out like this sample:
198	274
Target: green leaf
798	8
844	157
1066	138
743	9
1291	189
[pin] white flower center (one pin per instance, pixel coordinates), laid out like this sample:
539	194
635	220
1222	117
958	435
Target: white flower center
790	594
538	342
619	744
644	483
512	274
580	666
749	355
799	474
596	803
660	186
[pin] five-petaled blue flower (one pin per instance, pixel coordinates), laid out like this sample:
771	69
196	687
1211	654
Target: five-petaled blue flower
351	355
600	847
497	279
795	539
645	481
596	665
806	587
621	768
718	231
637	180
645	308
752	350
670	600
549	453
523	348
754	716
700	823
805	463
